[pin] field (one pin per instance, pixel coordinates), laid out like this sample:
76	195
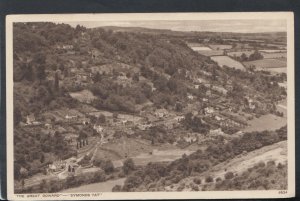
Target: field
274	55
225	60
266	63
209	53
198	48
84	96
272	51
266	122
220	47
239	53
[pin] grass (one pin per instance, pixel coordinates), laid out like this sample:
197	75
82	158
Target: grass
225	60
266	122
266	63
220	47
209	53
84	96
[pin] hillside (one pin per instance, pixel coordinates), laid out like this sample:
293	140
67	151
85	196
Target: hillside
90	94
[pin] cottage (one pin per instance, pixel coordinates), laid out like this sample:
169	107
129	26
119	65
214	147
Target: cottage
95	53
190	96
209	110
216	132
179	118
30	119
67	47
48	126
98	128
161	113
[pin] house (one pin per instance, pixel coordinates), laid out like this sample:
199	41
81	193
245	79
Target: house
190	96
208	93
179	118
209	110
161	113
98	128
48	126
67	47
95	53
30	119
190	139
218	118
216	132
144	126
56	166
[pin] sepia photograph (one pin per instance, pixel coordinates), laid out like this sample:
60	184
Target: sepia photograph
120	106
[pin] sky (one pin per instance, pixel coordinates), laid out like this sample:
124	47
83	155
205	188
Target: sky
241	26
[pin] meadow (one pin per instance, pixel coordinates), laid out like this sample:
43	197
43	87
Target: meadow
227	61
266	63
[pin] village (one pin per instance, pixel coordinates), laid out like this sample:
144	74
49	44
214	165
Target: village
93	129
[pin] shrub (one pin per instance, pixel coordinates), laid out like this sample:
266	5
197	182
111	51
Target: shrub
261	164
209	179
117	188
128	166
218	179
229	175
197	180
279	166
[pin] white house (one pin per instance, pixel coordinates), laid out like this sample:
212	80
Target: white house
209	110
98	128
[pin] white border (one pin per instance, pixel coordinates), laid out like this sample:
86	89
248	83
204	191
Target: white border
288	16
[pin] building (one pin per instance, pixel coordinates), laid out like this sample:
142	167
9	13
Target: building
95	53
30	119
98	128
209	110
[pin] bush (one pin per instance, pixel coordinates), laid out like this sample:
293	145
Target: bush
218	179
128	166
197	180
229	175
209	179
117	188
195	188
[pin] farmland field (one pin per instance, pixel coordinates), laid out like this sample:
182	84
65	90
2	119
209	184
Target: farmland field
220	47
225	60
239	53
209	53
198	48
266	63
271	51
274	55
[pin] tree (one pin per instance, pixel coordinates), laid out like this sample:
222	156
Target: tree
56	82
128	166
28	72
39	61
17	116
108	167
42	160
117	188
136	77
229	175
97	77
